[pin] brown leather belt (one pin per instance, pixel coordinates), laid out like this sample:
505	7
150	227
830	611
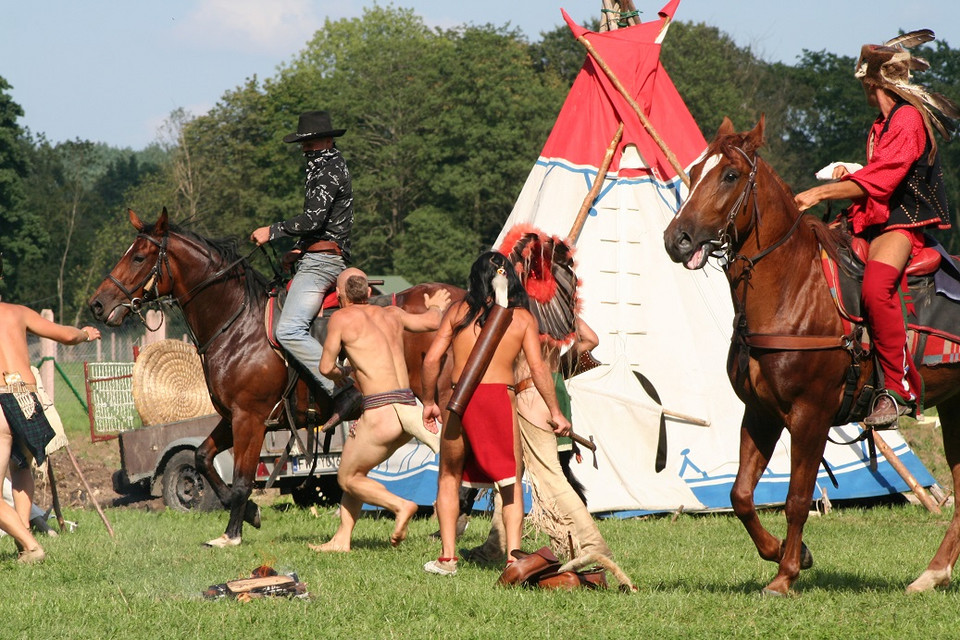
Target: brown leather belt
524	384
323	246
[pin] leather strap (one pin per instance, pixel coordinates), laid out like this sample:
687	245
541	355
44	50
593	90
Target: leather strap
793	343
524	384
323	246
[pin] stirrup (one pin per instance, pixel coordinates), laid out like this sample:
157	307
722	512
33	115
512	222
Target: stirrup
890	421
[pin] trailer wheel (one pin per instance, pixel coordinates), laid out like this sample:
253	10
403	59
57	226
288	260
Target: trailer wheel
184	488
318	490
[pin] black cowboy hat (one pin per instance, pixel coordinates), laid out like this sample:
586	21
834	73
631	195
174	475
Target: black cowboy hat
313	125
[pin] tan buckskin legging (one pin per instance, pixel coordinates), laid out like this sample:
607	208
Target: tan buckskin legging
556	496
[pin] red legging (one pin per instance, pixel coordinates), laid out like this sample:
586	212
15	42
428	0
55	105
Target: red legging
882	311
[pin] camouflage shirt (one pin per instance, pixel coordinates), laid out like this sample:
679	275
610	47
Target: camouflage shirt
327	204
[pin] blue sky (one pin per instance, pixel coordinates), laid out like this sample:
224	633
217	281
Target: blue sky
112	71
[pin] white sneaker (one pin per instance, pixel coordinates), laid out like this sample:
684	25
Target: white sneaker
446	568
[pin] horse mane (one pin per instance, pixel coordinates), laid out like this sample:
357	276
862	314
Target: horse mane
832	239
226	249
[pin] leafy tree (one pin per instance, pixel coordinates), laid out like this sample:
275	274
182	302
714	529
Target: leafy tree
434	248
22	232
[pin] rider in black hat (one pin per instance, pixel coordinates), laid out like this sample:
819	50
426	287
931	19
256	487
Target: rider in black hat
323	242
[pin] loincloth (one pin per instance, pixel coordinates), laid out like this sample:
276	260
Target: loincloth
488	427
404	404
29	426
397	396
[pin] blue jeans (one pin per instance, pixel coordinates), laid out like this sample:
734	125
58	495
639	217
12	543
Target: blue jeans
316	274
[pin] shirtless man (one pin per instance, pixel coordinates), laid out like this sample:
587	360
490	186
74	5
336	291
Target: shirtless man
24	430
489	421
373	339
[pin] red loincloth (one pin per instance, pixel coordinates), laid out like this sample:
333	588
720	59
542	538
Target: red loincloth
488	427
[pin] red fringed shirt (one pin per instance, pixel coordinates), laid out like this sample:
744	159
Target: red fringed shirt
889	158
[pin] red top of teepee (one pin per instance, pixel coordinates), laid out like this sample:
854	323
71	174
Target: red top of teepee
594	107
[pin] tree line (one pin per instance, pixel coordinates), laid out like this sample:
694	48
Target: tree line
443	126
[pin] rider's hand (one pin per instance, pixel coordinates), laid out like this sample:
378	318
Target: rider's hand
260	236
839	171
807	199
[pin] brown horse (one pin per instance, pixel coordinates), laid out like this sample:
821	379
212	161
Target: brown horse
741	211
223	300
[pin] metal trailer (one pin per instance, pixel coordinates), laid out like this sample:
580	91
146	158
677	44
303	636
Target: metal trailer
161	460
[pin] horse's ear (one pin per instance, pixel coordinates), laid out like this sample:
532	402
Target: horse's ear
135	220
726	128
754	139
161	227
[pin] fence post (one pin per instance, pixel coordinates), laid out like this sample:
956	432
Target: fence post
154	318
48	351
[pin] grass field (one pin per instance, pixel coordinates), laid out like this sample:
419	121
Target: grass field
698	576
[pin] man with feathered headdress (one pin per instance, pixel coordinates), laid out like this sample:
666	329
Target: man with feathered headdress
894	197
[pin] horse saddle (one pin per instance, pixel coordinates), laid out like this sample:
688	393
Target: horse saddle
930	290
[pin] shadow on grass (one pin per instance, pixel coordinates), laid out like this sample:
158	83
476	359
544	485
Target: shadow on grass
811	580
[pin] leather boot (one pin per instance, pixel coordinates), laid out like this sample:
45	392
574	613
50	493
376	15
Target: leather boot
347	405
886	412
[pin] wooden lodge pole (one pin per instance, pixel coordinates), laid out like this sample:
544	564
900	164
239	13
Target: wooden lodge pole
595	188
898	465
671	158
90	495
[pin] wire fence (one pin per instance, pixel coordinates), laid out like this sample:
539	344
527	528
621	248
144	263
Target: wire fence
93	381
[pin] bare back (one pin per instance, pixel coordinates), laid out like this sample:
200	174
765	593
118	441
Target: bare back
373	339
522	328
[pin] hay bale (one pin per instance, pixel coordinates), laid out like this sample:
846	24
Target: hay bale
168	383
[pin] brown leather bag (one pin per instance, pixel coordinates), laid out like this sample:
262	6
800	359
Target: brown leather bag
527	568
594	578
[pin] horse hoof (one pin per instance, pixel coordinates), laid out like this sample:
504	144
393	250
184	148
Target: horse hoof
252	514
767	591
222	542
929	580
806	558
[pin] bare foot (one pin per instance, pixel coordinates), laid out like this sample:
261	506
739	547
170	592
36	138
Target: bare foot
329	546
222	542
31	556
406	512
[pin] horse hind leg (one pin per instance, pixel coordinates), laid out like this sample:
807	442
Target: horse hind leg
939	572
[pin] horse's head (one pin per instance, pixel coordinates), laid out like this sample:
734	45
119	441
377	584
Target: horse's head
139	275
714	217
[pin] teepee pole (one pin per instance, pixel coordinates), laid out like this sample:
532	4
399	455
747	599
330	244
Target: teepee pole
671	158
595	188
908	477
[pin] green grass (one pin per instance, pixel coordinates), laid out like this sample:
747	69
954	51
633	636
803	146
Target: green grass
698	576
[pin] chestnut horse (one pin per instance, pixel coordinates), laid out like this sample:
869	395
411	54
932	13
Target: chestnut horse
223	300
740	210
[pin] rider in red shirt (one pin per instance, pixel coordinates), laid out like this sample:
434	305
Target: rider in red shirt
897	195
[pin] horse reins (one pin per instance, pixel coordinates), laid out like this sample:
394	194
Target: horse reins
769	341
150	283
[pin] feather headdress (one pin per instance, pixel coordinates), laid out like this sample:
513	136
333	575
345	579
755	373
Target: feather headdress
545	266
888	65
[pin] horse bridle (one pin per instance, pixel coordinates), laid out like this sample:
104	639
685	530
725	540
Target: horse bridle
149	283
728	235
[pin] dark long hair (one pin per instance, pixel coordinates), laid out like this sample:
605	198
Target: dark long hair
480	293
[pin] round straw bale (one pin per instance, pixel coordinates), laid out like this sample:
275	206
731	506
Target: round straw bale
168	383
